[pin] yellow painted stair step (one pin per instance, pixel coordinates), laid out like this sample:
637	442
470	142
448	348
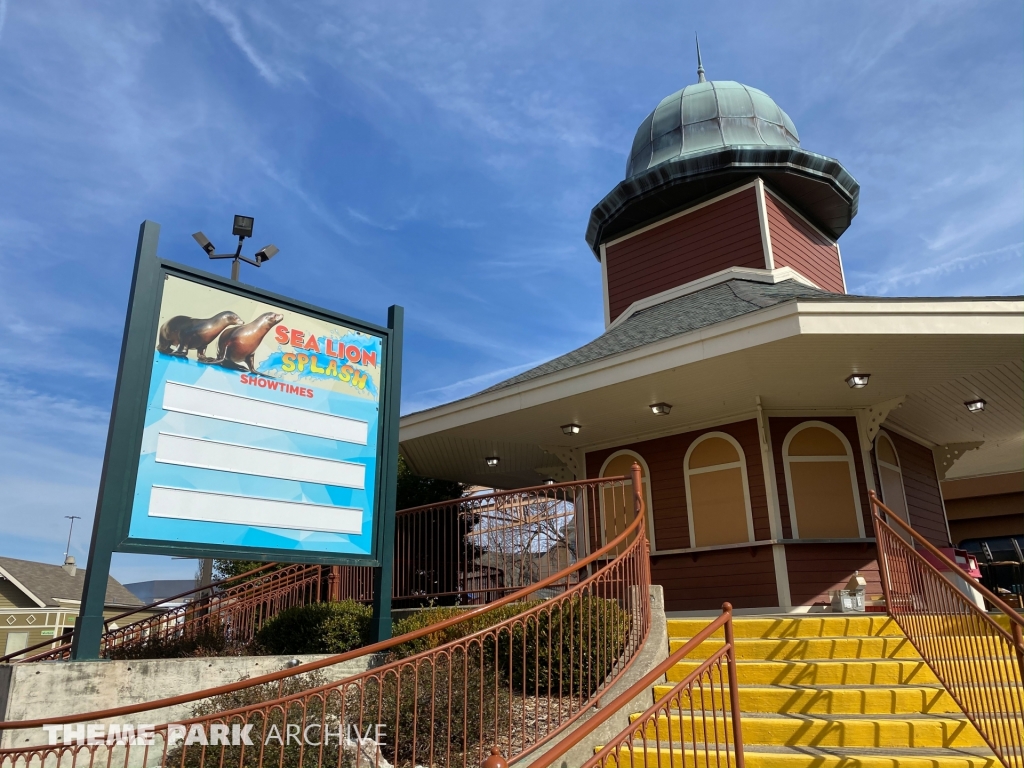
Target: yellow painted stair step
826	731
890	672
796	626
810	648
666	758
898	700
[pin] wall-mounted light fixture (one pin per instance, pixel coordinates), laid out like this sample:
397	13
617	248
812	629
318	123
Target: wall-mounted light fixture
549	481
975	406
858	380
492	461
570	429
661	409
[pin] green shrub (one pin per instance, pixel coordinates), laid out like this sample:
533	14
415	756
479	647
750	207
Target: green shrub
203	641
430	616
317	628
575	644
549	642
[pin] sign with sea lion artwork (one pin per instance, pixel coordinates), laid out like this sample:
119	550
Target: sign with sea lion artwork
259	424
261	427
245	425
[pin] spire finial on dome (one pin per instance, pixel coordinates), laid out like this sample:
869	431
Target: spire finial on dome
700	66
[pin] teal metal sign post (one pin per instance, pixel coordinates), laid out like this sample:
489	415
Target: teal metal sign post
245	425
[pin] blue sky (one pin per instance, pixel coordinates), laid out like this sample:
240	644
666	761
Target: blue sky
445	157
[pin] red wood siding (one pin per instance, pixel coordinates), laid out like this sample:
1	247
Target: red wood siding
704	580
780	427
724	234
664	457
796	244
921	484
814	569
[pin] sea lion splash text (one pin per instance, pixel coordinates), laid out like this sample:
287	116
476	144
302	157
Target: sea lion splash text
309	343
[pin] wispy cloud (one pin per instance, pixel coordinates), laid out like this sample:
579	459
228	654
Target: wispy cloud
233	26
903	278
428	398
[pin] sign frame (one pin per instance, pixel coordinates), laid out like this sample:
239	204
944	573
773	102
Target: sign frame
127	421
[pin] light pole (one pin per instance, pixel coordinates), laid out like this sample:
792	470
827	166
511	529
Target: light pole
242	227
72	518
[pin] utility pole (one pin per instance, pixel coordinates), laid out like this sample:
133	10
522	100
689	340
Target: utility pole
72	518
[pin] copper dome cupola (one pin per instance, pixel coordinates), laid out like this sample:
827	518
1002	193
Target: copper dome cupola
711	136
709	116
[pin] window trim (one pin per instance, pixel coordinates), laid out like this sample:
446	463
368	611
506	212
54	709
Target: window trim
645	481
897	467
742	464
787	460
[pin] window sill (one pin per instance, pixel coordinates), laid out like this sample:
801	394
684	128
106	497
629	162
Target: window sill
713	548
759	543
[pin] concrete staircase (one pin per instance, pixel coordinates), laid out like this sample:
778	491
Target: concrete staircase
835	691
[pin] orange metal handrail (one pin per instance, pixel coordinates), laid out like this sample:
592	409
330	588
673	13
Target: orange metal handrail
570	649
64	648
468	550
979	662
621	749
370	650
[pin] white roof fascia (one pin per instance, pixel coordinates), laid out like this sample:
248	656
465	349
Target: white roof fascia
750	330
22	587
768	276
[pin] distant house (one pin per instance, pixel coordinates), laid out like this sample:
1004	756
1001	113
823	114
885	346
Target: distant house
161	589
39	601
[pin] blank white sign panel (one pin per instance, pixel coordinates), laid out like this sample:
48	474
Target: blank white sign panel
246	460
198	401
209	507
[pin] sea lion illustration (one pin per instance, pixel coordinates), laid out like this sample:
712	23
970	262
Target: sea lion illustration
187	333
237	345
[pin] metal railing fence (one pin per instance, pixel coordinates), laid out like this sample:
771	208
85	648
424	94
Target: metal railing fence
467	551
980	662
59	647
515	674
695	723
230	615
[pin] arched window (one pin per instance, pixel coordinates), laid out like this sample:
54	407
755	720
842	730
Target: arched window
717	495
617	503
890	476
821	482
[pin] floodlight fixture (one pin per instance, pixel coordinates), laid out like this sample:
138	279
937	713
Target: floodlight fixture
242	226
204	243
266	253
858	380
570	429
975	406
549	481
661	409
492	461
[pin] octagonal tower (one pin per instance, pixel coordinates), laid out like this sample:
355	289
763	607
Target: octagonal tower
718	186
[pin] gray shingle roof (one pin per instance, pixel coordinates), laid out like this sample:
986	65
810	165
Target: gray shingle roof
51	583
671	318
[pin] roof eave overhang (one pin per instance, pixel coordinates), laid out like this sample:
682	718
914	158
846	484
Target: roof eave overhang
28	593
822	188
859	317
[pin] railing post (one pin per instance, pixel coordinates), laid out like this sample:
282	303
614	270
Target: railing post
883	564
495	760
1018	640
334	584
638	493
734	687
